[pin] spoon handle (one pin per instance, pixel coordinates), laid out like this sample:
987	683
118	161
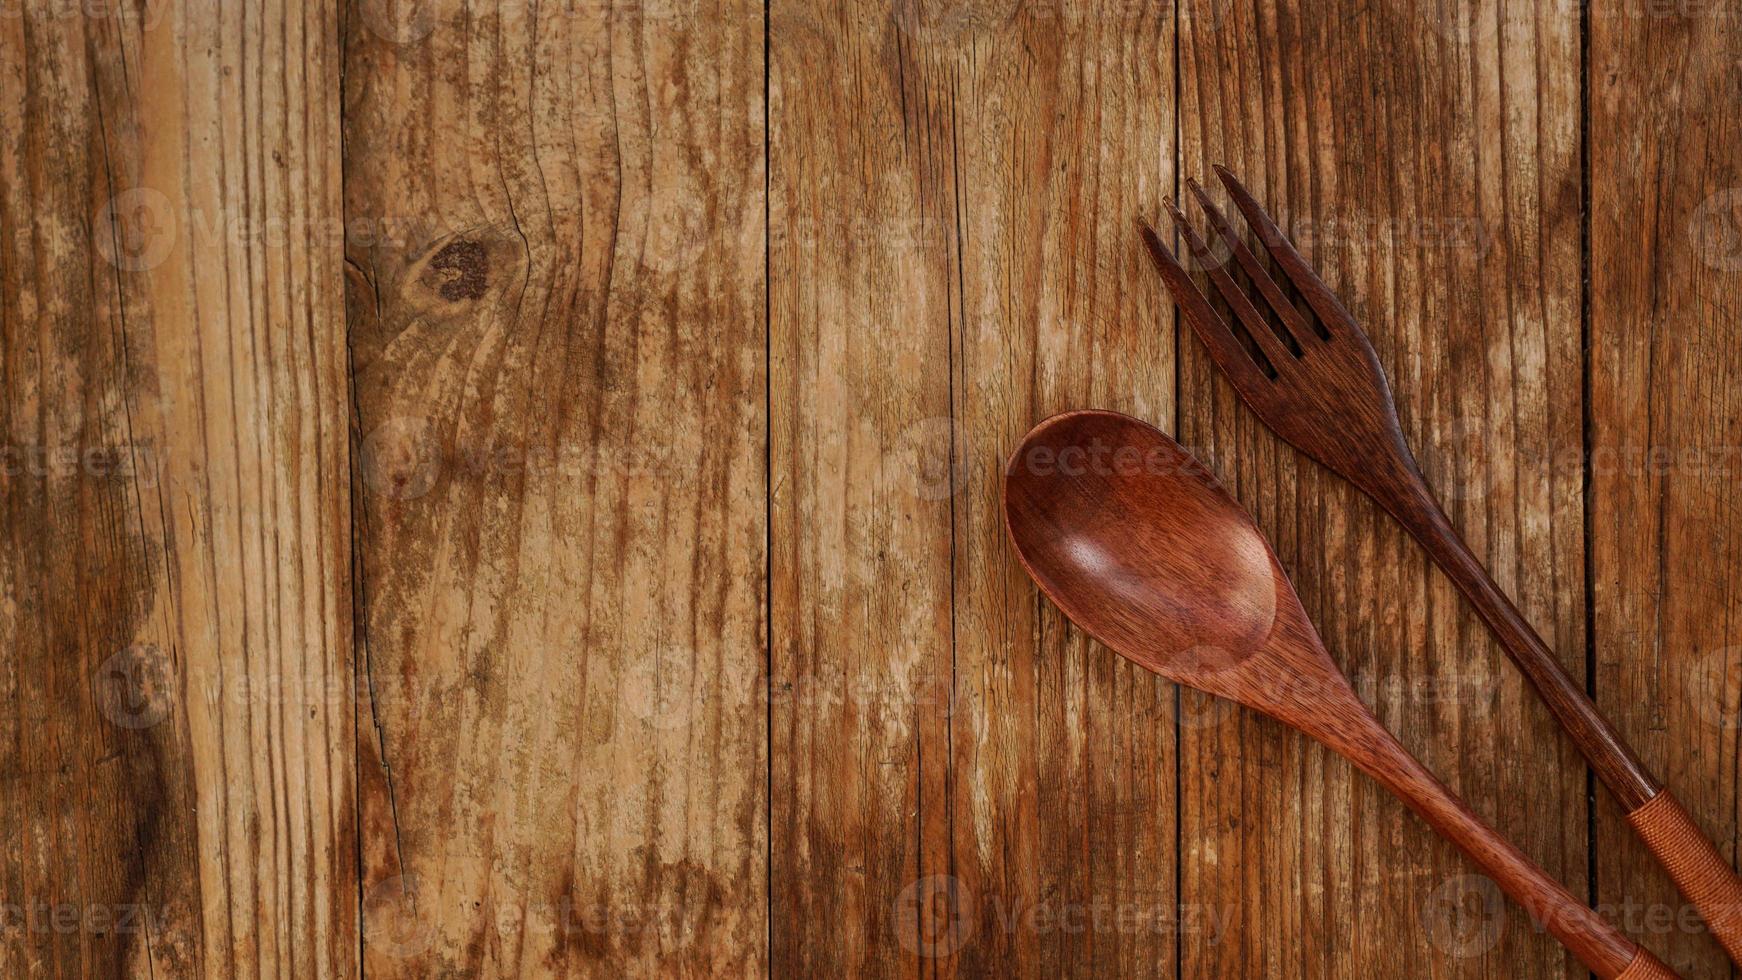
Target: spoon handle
1360	737
1694	864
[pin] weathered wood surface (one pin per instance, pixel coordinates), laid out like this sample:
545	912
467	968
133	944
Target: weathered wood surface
960	781
1666	434
176	736
610	579
558	358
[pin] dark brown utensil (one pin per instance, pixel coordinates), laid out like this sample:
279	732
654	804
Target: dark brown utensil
1132	539
1323	392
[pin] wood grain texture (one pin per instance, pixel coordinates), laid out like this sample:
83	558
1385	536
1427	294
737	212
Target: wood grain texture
557	332
861	212
961	781
652	616
1062	757
1429	169
176	761
1666	536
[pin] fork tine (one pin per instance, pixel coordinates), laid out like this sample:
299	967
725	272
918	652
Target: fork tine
1297	325
1275	351
1318	295
1225	349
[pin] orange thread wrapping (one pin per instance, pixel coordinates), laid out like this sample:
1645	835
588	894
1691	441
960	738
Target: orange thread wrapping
1697	868
1646	967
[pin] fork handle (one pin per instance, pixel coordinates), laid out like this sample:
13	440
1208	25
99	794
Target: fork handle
1696	866
1414	506
1699	871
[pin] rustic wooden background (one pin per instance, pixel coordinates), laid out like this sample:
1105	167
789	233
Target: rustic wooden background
509	487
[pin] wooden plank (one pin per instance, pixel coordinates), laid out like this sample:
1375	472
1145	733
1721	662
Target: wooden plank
960	781
861	229
1063	769
1427	161
176	754
1666	534
557	331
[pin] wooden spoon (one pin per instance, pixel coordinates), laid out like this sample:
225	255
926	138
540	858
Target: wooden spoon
1134	540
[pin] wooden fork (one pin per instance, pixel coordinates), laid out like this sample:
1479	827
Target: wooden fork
1323	392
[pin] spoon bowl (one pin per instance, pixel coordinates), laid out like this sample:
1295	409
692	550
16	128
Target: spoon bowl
1149	589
